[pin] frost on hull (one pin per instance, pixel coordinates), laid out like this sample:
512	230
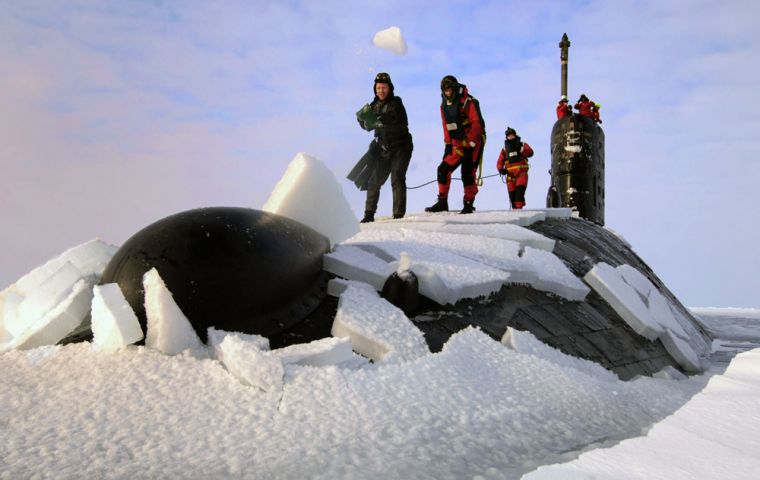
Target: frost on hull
235	269
577	145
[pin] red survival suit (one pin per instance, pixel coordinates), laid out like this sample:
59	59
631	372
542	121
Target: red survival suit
585	107
513	162
563	109
463	133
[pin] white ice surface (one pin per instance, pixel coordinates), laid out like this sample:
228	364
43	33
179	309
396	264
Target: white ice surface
649	313
58	321
90	258
49	293
713	436
624	299
353	263
169	330
245	357
506	231
436	249
390	39
378	330
522	218
476	408
524	342
319	353
309	193
553	275
114	323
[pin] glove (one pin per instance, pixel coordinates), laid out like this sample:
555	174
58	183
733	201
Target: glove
502	171
447	150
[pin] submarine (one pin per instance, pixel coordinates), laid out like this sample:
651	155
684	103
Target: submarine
258	272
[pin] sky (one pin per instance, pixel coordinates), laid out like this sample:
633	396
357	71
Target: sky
117	114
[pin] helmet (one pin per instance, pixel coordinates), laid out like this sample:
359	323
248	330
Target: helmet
383	77
583	98
563	98
510	131
449	81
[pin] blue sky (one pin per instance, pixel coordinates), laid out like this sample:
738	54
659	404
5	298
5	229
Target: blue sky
116	114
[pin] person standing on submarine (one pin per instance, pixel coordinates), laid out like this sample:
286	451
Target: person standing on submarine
386	115
464	136
513	162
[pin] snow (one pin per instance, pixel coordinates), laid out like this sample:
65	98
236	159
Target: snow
356	264
47	295
526	343
553	275
713	436
624	299
506	231
476	408
37	293
650	314
114	323
377	329
58	321
309	193
169	330
390	39
444	277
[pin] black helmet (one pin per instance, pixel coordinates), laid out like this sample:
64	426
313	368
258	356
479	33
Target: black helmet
449	81
509	131
383	77
583	98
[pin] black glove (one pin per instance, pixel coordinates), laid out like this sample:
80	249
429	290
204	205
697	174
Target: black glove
502	171
447	150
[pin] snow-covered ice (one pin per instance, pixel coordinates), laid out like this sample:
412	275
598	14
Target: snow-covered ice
309	193
353	263
114	323
713	436
624	299
525	342
169	330
58	321
377	329
648	312
390	39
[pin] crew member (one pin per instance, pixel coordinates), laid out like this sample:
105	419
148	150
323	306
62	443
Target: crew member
463	135
392	146
563	108
513	162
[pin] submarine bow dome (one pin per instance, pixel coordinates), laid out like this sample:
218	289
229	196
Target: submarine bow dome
232	268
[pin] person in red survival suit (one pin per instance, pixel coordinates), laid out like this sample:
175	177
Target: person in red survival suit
595	113
563	109
585	106
464	134
513	162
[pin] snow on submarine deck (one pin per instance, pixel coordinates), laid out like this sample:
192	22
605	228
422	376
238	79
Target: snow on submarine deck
576	286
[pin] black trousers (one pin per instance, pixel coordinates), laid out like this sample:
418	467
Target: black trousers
393	162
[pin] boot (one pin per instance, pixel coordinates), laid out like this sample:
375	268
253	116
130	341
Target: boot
396	216
468	207
442	205
369	217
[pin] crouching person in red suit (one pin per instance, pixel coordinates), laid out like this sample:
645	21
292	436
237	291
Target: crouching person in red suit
513	162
